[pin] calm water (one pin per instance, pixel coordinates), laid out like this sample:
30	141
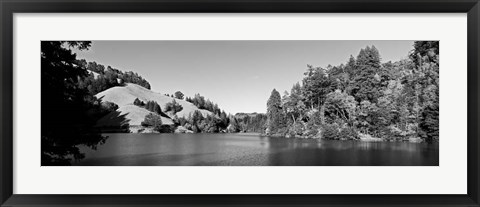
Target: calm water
252	150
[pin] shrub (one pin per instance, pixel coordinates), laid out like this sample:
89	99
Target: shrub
314	117
166	129
348	133
311	133
331	131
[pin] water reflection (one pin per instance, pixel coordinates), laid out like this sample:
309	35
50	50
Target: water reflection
253	150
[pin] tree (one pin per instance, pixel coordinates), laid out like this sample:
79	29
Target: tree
173	106
366	117
426	58
425	49
233	126
137	102
65	120
179	95
156	108
350	67
340	106
101	79
366	84
293	103
153	120
316	86
393	100
153	107
224	120
275	116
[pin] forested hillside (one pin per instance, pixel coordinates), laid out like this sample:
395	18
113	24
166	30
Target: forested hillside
101	78
363	98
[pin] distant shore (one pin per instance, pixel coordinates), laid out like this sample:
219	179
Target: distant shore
362	138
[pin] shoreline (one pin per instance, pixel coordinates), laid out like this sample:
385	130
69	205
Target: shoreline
365	139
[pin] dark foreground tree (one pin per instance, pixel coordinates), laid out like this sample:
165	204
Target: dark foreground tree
67	119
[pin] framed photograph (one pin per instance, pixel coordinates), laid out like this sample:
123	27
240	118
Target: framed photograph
239	103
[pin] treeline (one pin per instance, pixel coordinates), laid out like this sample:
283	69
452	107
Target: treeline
100	78
198	123
363	98
203	103
217	121
248	122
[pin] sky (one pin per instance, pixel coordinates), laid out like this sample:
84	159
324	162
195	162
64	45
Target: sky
237	75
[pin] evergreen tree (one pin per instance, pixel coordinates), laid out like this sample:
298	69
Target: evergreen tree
426	58
156	108
66	122
137	102
366	83
350	67
275	117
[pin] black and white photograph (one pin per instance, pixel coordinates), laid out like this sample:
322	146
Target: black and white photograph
240	103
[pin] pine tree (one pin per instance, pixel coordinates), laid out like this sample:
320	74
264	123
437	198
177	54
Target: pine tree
426	58
137	102
350	67
365	85
156	108
65	123
275	116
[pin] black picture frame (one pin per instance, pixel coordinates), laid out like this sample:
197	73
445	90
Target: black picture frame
9	7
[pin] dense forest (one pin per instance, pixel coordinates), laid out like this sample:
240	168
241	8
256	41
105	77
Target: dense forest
363	98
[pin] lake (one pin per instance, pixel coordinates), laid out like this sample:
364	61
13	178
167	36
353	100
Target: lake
253	150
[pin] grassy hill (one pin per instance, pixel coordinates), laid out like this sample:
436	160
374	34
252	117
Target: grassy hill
127	113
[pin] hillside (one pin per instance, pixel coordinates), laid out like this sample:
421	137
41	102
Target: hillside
130	114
